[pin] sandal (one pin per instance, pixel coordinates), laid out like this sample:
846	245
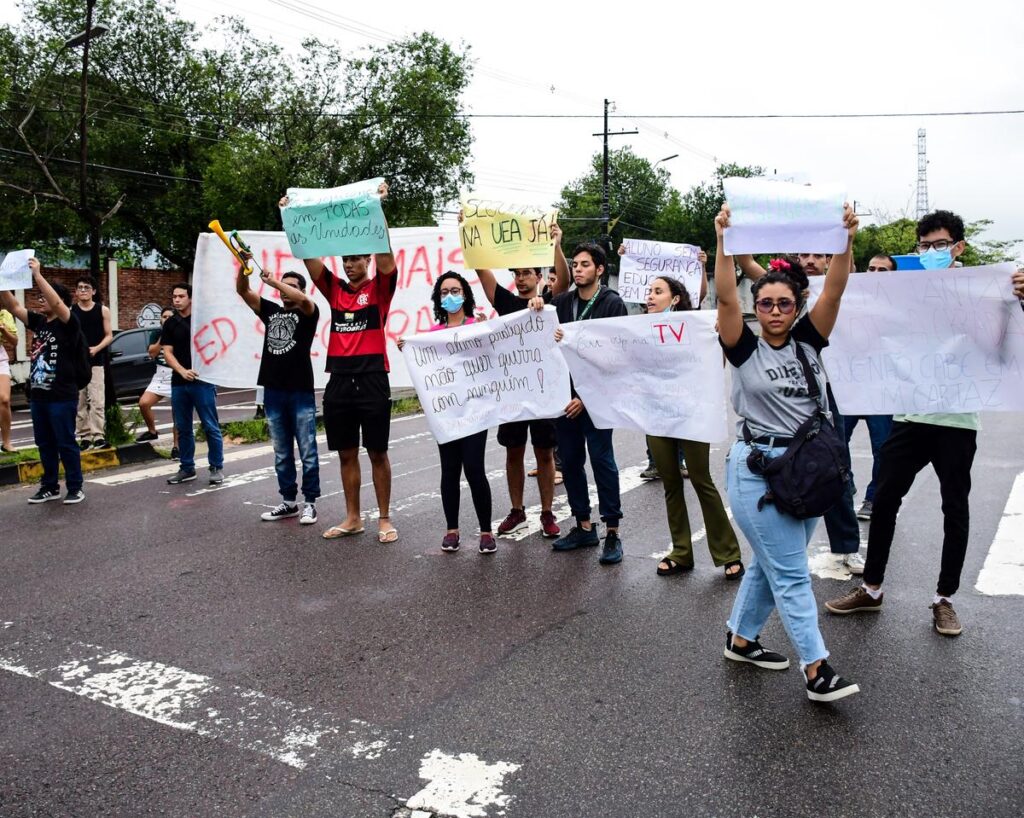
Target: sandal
558	478
391	535
337	531
735	575
673	567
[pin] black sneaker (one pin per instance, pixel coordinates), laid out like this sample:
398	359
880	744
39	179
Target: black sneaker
146	436
84	444
100	444
74	497
174	453
754	653
182	477
864	513
828	686
44	496
611	554
577	537
282	512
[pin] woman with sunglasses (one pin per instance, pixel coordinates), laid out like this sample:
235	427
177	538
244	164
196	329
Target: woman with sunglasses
453	307
668	295
771	396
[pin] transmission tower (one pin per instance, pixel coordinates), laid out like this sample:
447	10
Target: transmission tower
922	174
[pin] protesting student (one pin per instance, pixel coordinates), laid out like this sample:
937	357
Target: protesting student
8	335
159	386
453	307
778	384
94	318
57	346
668	295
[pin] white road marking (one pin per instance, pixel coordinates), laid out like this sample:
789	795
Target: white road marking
461	786
1003	572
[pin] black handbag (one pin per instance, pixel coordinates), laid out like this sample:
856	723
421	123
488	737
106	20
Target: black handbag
811	476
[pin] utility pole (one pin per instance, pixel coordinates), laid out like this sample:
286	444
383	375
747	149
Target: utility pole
83	137
606	215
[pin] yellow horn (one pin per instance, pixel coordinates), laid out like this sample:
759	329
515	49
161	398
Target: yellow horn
216	228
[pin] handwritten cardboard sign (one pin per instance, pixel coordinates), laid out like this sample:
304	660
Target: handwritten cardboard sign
339	221
496	233
646	260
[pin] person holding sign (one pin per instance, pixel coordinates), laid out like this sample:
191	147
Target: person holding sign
357	401
286	375
541	430
453	307
668	295
576	433
8	335
948	442
773	397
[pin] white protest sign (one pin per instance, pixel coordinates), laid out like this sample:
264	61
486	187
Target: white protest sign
923	341
475	377
645	261
660	373
227	337
782	217
15	274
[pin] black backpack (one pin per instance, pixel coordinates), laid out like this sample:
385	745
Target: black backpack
811	476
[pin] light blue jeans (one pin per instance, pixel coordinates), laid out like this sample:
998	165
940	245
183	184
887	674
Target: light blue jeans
778	575
292	419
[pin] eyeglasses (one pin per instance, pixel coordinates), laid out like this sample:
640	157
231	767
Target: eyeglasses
941	244
452	291
766	305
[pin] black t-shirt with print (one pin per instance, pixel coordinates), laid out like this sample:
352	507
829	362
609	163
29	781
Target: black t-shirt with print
506	302
177	334
287	339
52	373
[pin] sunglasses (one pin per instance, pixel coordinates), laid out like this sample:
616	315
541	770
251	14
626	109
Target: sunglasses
766	305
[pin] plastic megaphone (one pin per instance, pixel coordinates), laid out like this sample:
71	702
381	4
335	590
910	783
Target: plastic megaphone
234	244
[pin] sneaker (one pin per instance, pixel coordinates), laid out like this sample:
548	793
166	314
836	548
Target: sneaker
100	444
74	497
260	412
450	542
146	436
548	527
84	444
754	653
182	476
174	453
282	512
515	521
945	619
216	476
44	496
487	544
611	554
577	537
864	512
828	686
856	600
308	514
650	473
854	563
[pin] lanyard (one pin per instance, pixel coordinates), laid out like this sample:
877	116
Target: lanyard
589	305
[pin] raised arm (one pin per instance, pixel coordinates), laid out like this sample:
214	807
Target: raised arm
61	311
242	287
702	257
305	303
385	261
750	268
826	309
12	305
562	278
730	315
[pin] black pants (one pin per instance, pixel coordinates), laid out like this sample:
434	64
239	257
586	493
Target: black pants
465	455
909	448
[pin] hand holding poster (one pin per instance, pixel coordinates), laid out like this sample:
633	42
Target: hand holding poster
926	341
15	274
473	377
660	373
645	261
339	221
782	217
497	233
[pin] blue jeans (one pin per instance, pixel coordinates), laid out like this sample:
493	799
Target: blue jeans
202	397
841	520
576	437
292	417
53	426
879	427
778	575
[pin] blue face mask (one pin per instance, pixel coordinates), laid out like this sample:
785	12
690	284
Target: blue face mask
669	308
452	303
936	259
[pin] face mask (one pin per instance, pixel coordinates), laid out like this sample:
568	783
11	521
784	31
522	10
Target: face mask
936	259
452	303
669	308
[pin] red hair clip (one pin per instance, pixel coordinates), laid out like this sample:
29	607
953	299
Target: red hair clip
777	264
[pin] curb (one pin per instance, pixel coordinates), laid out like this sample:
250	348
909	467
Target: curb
93	460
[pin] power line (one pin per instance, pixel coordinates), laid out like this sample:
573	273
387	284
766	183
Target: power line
151	174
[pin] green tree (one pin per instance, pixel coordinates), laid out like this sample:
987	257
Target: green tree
899	237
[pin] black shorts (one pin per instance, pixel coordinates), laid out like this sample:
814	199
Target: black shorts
354	404
542	433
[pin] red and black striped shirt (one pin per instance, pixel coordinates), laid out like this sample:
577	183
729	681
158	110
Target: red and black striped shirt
358	316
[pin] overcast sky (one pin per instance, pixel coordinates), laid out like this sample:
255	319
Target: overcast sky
721	58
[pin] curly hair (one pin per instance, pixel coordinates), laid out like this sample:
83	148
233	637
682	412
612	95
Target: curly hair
676	288
468	304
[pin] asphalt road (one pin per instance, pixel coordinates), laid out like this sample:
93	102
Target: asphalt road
166	653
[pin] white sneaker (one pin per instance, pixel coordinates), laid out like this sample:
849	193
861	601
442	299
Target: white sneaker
282	512
854	564
308	514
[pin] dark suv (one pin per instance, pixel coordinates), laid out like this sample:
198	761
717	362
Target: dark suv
131	368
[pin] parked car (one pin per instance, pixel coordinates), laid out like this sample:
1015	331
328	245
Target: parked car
131	368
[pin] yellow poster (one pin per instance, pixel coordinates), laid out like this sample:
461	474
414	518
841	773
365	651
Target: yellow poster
497	233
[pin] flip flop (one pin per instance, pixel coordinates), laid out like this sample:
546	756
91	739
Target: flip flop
391	535
736	574
674	568
336	532
558	478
